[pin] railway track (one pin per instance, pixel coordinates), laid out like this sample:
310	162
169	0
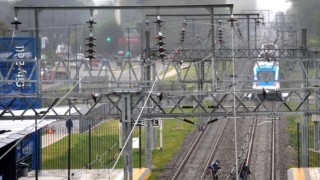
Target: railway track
206	140
210	145
219	141
262	157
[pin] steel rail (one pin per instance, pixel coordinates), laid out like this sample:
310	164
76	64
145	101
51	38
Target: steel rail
210	159
250	136
190	152
273	148
254	126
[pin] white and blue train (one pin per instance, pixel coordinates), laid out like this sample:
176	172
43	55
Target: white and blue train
266	69
266	72
266	76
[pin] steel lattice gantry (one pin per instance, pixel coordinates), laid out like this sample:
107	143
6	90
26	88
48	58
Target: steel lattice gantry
108	103
175	104
179	101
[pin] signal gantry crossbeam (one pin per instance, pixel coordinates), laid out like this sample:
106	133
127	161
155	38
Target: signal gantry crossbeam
172	105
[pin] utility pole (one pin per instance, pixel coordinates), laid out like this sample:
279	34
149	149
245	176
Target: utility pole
129	53
126	129
147	78
305	125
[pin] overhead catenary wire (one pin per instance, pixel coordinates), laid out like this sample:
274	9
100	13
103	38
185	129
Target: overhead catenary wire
141	111
234	107
78	83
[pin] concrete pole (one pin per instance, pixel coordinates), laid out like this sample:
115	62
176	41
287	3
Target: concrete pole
316	108
305	126
39	89
129	55
161	138
38	53
316	136
255	33
248	26
213	46
126	129
147	78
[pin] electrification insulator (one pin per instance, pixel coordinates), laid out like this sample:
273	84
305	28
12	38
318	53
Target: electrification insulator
160	38
257	22
147	23
91	22
231	20
161	52
91	44
182	33
90	39
90	57
91	51
158	21
16	23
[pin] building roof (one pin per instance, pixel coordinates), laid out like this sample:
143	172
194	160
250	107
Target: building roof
17	129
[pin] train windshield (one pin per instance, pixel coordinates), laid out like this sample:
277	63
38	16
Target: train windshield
266	76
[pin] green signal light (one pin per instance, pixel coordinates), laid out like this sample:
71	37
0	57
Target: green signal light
108	39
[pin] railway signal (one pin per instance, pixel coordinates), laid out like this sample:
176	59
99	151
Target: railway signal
108	39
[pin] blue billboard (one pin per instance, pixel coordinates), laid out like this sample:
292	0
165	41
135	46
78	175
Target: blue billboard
18	76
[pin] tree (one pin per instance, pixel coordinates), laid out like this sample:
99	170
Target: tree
308	11
3	26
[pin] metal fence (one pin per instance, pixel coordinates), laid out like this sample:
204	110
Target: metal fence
313	142
96	148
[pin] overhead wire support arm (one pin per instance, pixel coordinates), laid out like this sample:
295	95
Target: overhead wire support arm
202	14
17	8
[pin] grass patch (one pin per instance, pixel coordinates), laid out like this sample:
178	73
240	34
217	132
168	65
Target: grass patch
292	130
103	139
173	136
